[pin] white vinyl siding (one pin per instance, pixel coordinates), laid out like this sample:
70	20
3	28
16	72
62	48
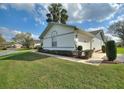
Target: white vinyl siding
84	41
97	42
64	39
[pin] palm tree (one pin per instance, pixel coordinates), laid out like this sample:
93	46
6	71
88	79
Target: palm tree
57	13
64	16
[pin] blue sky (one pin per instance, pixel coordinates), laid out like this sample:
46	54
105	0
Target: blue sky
16	18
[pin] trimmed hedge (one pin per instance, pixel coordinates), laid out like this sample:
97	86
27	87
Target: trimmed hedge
103	48
59	52
111	50
88	53
39	49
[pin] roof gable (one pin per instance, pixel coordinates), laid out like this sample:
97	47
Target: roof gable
50	25
95	32
100	32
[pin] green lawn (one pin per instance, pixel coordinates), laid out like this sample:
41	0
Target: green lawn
22	49
120	50
30	70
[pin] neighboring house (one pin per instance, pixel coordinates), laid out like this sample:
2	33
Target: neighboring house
17	45
66	37
37	43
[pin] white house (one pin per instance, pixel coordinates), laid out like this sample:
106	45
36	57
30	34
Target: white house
67	37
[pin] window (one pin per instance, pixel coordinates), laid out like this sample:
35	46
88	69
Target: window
54	39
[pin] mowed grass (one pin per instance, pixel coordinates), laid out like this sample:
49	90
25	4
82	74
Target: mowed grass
30	70
120	50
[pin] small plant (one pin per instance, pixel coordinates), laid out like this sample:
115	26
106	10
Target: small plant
111	51
39	49
88	53
79	48
103	48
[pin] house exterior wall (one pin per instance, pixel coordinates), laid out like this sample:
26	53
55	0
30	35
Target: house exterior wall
65	38
97	42
90	43
17	46
84	41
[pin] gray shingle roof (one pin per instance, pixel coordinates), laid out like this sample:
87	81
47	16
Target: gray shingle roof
51	24
95	32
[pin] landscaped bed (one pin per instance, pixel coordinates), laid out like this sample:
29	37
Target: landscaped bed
30	70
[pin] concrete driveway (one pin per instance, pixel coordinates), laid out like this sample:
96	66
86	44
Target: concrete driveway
6	52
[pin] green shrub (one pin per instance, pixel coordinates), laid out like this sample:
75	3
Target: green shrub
79	48
4	48
58	52
103	48
111	51
39	49
88	53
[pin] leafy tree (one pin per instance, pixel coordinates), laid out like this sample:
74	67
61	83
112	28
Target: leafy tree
25	39
2	42
118	28
57	13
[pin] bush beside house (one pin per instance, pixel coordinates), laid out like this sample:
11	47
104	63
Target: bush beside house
79	48
57	52
111	51
103	48
87	53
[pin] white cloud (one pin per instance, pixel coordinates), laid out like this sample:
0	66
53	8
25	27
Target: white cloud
36	37
96	28
23	6
77	12
119	18
99	12
80	12
8	33
112	37
121	8
2	6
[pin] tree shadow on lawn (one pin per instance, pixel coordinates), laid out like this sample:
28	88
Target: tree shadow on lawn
26	56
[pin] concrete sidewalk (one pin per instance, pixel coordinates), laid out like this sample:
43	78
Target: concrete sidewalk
96	59
120	58
91	61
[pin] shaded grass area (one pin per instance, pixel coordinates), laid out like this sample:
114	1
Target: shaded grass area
24	56
2	50
21	49
120	50
30	70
